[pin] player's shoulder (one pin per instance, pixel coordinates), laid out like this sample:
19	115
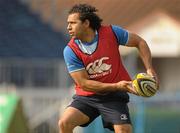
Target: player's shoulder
113	27
117	28
67	50
105	29
105	26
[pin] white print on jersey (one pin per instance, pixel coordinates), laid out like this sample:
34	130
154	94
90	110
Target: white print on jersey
98	68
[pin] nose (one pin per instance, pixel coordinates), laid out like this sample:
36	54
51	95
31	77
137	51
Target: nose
68	27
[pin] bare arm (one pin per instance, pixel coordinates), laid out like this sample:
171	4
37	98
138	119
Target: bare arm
81	78
144	51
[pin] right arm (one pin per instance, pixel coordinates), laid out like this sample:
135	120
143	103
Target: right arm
81	77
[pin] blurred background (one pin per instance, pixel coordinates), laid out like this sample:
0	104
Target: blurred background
35	87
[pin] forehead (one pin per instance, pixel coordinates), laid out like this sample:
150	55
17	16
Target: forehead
73	17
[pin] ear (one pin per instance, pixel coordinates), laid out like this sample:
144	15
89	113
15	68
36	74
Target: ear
87	23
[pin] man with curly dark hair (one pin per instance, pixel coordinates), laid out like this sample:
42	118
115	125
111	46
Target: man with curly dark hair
102	83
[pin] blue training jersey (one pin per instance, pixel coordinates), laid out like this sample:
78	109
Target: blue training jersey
75	64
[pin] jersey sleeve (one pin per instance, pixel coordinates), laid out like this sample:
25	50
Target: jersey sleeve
73	63
122	35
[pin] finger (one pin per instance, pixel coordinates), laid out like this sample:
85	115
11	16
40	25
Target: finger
129	83
132	89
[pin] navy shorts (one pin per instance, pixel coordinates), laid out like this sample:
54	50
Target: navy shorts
112	108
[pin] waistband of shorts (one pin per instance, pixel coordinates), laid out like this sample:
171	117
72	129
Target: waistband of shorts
120	96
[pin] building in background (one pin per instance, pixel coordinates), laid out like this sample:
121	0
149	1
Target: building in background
31	51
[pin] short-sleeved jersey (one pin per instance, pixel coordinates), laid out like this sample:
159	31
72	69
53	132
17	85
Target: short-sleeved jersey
102	63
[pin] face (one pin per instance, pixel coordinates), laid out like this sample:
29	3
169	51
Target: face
75	26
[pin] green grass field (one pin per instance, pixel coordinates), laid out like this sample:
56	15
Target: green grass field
160	119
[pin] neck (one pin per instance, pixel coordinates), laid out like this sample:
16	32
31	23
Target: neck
88	36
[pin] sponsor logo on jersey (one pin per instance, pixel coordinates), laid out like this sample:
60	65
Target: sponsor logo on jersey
99	68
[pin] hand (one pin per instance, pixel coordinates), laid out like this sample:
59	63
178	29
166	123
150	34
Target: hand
153	74
126	86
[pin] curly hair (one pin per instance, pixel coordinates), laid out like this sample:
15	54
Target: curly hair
87	12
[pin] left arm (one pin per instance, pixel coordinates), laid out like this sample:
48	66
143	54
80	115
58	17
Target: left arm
144	51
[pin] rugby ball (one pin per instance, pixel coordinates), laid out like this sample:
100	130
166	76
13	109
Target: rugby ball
145	85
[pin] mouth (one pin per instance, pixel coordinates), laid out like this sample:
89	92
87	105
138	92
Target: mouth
70	33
